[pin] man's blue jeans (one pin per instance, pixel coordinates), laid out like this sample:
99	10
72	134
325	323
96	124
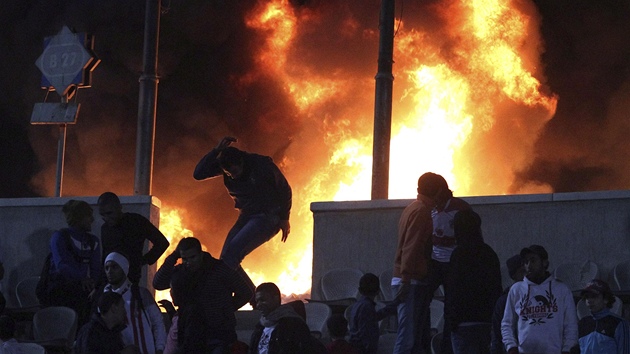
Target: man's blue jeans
247	234
409	339
473	339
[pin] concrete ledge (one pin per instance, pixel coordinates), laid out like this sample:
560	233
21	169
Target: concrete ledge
572	226
491	199
24	202
26	225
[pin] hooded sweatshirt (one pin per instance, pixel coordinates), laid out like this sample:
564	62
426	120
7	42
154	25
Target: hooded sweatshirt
540	318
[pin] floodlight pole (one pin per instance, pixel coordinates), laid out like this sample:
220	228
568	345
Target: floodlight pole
147	102
383	103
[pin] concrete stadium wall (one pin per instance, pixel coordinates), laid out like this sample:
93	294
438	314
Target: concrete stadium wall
26	225
572	226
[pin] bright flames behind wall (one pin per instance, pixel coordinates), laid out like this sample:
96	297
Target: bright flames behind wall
468	103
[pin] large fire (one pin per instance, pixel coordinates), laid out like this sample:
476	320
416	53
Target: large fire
468	103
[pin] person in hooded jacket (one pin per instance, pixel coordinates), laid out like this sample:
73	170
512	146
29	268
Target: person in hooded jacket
281	329
540	314
470	303
603	331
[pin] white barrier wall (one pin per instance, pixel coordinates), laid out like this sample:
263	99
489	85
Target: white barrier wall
572	226
26	225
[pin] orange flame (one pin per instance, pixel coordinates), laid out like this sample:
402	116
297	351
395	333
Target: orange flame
171	227
292	278
468	102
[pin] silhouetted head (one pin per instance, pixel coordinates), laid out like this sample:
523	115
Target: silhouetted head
190	250
435	187
369	285
598	295
111	308
116	268
109	208
267	298
337	326
536	261
78	214
232	162
467	227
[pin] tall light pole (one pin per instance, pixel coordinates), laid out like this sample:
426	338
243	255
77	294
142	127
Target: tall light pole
383	103
147	102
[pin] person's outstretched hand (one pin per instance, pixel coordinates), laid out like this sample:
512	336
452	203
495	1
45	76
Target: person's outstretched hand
168	306
225	142
285	226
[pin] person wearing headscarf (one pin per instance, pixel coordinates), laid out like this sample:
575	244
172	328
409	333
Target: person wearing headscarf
145	324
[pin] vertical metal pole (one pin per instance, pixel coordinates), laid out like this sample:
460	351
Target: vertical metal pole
147	103
383	103
61	153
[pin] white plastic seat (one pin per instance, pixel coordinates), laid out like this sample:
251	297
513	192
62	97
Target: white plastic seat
621	276
341	283
317	314
576	274
25	292
55	327
29	348
437	315
583	310
436	343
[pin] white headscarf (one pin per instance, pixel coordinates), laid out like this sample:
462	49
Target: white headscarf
120	260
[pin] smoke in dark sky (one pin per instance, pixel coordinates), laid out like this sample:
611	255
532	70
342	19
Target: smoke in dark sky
587	61
210	86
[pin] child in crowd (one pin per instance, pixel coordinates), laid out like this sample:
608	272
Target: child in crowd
364	317
338	329
603	331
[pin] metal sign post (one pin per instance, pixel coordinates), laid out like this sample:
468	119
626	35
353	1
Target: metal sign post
61	154
66	64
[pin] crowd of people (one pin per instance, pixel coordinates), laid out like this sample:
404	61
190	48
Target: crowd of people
99	278
440	243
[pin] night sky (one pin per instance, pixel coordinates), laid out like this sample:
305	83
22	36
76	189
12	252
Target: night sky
204	63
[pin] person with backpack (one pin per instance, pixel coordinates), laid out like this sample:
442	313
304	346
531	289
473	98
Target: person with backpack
75	263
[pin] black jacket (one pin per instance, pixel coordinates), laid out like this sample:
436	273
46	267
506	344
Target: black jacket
128	238
261	189
291	336
95	338
475	276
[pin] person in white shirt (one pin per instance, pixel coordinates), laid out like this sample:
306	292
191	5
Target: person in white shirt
145	323
540	315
